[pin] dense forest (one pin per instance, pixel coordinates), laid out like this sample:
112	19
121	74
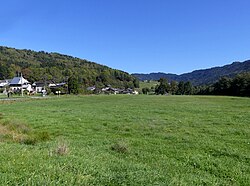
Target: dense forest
236	86
55	67
201	77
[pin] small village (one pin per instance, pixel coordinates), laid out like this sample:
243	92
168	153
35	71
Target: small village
20	85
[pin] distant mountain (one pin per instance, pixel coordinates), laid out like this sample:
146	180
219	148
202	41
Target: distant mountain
201	77
55	67
155	76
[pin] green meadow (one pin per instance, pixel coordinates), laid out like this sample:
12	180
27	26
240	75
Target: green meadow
148	84
125	140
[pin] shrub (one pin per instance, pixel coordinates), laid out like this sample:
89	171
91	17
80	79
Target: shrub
42	136
28	140
61	148
17	126
120	147
16	131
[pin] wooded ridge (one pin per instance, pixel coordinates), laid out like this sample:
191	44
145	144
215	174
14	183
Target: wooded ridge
201	77
37	66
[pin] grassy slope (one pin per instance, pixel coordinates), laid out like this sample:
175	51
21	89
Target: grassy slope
148	84
170	140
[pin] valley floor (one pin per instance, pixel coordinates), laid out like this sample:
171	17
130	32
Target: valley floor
125	140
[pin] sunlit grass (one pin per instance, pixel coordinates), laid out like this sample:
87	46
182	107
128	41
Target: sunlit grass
130	140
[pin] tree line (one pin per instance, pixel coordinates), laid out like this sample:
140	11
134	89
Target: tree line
173	88
236	86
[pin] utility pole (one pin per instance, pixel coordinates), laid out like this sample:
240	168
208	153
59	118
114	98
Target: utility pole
22	84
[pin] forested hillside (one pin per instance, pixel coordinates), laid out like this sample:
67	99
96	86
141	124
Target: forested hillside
201	77
37	66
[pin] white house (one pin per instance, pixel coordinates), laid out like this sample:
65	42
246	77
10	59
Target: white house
4	83
38	86
18	83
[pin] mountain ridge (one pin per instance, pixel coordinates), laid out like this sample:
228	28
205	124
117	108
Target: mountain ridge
202	76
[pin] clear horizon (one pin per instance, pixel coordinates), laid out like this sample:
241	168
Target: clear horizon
141	36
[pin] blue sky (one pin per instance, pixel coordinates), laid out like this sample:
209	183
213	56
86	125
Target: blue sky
172	36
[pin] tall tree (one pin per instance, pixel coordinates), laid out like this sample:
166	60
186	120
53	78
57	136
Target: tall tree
145	90
173	87
241	85
163	87
181	88
223	86
188	88
73	85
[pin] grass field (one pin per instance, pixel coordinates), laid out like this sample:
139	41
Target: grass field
147	84
125	140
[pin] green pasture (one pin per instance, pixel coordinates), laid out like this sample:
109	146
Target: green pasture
125	140
147	84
